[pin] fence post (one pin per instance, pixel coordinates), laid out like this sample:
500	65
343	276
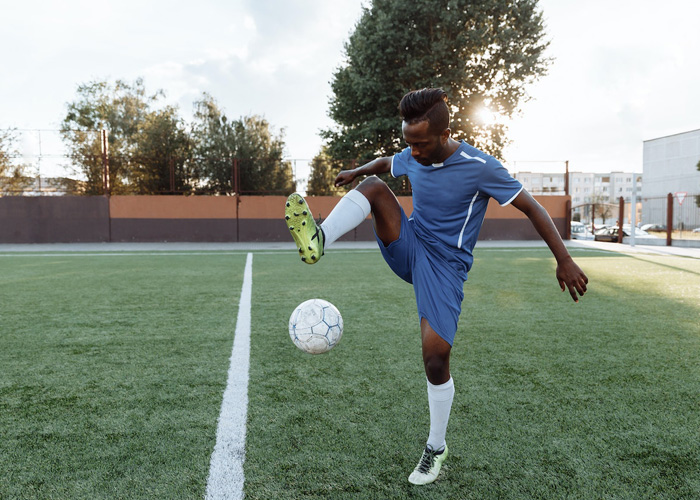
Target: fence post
236	177
236	188
620	220
669	219
171	168
105	163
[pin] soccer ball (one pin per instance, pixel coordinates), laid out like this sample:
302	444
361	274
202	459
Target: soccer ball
316	326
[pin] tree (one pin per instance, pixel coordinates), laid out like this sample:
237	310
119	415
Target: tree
603	209
119	108
163	149
248	143
152	150
324	170
148	144
13	179
483	53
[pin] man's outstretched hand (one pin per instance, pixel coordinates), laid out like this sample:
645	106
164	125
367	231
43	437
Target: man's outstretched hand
345	177
572	277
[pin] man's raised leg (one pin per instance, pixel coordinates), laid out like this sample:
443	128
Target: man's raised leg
371	195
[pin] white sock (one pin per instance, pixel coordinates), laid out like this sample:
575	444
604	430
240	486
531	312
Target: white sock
349	213
440	403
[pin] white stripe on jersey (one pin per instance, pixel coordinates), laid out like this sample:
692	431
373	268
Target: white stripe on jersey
514	197
469	214
472	157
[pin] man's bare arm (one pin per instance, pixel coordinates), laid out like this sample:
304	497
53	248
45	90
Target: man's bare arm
378	166
569	275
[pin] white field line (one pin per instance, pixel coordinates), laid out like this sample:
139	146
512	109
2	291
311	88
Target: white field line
226	468
166	253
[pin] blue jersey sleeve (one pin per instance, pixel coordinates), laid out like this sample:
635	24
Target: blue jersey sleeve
498	183
399	163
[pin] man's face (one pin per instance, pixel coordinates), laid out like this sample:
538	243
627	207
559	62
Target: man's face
426	147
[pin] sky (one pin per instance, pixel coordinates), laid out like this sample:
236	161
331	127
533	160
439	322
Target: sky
623	71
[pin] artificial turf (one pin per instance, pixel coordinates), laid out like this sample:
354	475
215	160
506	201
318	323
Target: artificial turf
112	369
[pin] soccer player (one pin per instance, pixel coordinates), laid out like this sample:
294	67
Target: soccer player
452	183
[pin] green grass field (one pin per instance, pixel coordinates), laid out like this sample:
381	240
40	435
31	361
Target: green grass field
112	370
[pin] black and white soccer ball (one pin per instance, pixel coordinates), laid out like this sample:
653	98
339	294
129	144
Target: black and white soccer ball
316	326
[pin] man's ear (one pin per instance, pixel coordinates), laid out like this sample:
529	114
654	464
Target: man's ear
445	135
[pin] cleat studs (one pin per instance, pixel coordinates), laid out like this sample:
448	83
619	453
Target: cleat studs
304	259
291	228
310	248
286	217
287	203
301	251
301	201
305	212
303	223
296	214
313	257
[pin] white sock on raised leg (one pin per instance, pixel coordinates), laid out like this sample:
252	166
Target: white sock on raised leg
349	213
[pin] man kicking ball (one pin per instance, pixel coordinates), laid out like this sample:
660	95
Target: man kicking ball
452	183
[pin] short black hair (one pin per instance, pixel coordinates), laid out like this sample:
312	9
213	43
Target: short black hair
426	104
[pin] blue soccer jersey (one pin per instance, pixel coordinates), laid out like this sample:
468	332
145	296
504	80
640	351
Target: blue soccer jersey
450	199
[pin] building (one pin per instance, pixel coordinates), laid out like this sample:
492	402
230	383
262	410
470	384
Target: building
671	166
586	189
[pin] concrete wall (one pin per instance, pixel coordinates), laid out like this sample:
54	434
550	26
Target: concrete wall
206	218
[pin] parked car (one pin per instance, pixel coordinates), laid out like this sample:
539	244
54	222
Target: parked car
653	227
606	234
610	234
579	232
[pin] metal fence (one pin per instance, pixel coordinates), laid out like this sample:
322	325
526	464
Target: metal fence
39	163
97	175
680	214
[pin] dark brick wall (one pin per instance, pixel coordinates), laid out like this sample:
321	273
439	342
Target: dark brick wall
67	219
60	219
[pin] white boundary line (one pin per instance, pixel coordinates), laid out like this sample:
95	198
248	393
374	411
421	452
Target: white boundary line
226	467
166	253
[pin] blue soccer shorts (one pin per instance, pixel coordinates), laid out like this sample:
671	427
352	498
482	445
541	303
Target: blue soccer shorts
438	287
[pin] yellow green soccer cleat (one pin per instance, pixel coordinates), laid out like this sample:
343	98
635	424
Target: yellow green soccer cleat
306	233
429	466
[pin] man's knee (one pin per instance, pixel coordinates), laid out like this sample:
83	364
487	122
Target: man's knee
375	190
437	368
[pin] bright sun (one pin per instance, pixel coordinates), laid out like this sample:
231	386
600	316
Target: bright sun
488	117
